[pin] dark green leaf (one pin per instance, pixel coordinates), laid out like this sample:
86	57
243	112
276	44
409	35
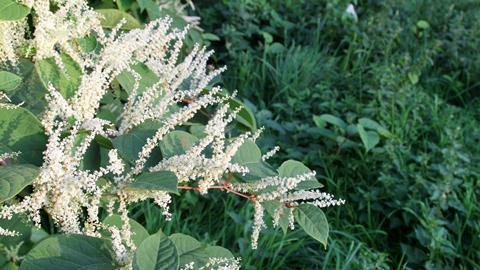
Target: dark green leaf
64	80
332	120
313	221
369	138
130	144
127	80
73	252
184	243
291	168
162	180
14	179
21	131
177	142
157	252
31	91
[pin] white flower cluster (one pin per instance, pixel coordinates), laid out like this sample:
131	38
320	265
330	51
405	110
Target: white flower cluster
216	264
12	38
55	31
6	232
281	189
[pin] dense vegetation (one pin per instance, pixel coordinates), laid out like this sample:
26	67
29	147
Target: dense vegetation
379	97
311	72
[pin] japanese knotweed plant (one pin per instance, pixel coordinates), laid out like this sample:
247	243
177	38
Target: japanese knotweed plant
127	116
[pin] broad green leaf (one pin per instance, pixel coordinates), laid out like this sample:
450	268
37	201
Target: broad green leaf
14	179
152	8
371	124
369	138
9	81
127	80
162	180
21	131
11	10
313	221
177	142
130	144
111	18
319	121
73	252
250	156
157	252
184	243
139	233
245	115
333	120
248	152
31	92
291	168
65	80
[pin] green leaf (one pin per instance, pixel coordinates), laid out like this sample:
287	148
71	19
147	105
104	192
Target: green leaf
423	24
31	91
157	252
291	168
245	116
111	18
130	144
413	77
161	180
73	252
177	142
319	121
250	156
21	131
153	10
313	221
248	152
139	233
371	124
127	80
333	120
65	80
369	138
9	81
14	179
10	10
184	243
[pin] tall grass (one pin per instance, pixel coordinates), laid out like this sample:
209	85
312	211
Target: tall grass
413	200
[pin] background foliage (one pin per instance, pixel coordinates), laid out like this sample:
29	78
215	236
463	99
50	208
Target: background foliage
311	73
384	106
